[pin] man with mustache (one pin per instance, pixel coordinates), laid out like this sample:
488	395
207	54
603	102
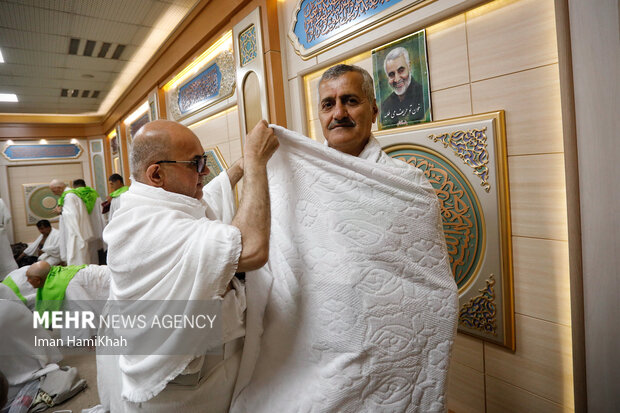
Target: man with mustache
406	103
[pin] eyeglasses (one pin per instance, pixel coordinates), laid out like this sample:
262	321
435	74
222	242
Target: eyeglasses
200	162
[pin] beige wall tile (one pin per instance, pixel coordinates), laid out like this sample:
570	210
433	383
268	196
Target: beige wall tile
509	36
446	44
468	351
451	103
465	389
236	151
225	150
531	100
541	279
297	106
538	196
506	398
212	131
232	120
542	363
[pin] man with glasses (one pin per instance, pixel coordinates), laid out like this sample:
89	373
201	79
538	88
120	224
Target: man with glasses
172	239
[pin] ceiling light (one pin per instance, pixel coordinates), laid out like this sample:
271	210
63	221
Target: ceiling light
74	141
10	142
8	97
43	142
1	58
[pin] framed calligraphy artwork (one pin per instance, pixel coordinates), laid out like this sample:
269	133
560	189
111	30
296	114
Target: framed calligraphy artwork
465	161
400	72
318	25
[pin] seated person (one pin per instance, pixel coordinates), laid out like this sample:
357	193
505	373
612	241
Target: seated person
18	282
71	288
45	248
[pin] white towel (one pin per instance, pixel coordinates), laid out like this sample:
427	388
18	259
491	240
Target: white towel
356	310
162	247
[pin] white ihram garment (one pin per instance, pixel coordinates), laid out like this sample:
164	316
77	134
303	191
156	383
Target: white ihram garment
7	263
162	246
356	310
76	232
51	248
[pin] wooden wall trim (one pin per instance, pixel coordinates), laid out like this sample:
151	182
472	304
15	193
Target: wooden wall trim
573	203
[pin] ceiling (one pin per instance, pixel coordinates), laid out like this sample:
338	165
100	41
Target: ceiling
53	48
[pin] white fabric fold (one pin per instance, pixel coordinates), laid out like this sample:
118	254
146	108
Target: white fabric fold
161	246
356	310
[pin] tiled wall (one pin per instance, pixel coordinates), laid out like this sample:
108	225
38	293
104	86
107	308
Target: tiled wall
501	55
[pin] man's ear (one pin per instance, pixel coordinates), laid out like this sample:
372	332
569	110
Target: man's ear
154	176
375	110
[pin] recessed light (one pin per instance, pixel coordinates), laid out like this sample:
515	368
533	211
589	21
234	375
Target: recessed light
10	142
1	58
74	141
43	142
8	97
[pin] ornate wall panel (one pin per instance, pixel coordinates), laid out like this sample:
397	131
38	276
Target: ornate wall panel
251	76
29	152
215	162
465	161
214	83
317	25
97	164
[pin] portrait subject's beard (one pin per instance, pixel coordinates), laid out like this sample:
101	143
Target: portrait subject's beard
400	90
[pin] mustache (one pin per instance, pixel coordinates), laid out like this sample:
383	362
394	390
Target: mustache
346	122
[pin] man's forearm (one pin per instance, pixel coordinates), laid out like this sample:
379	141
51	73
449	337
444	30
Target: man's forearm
254	218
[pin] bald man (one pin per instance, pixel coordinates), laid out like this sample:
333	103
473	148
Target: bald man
189	242
78	244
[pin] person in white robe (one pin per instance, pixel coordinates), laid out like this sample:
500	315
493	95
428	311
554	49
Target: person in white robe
113	202
47	245
189	243
78	238
97	222
356	309
21	360
7	262
18	282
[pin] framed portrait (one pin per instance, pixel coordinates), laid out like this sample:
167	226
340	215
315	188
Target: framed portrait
402	88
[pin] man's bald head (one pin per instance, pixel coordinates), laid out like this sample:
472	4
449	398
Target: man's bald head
151	144
57	186
164	140
37	273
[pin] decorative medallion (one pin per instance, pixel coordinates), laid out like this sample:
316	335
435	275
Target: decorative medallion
480	313
461	211
36	151
471	147
40	203
247	45
213	84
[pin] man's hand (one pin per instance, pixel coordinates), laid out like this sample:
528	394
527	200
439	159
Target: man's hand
260	144
58	210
